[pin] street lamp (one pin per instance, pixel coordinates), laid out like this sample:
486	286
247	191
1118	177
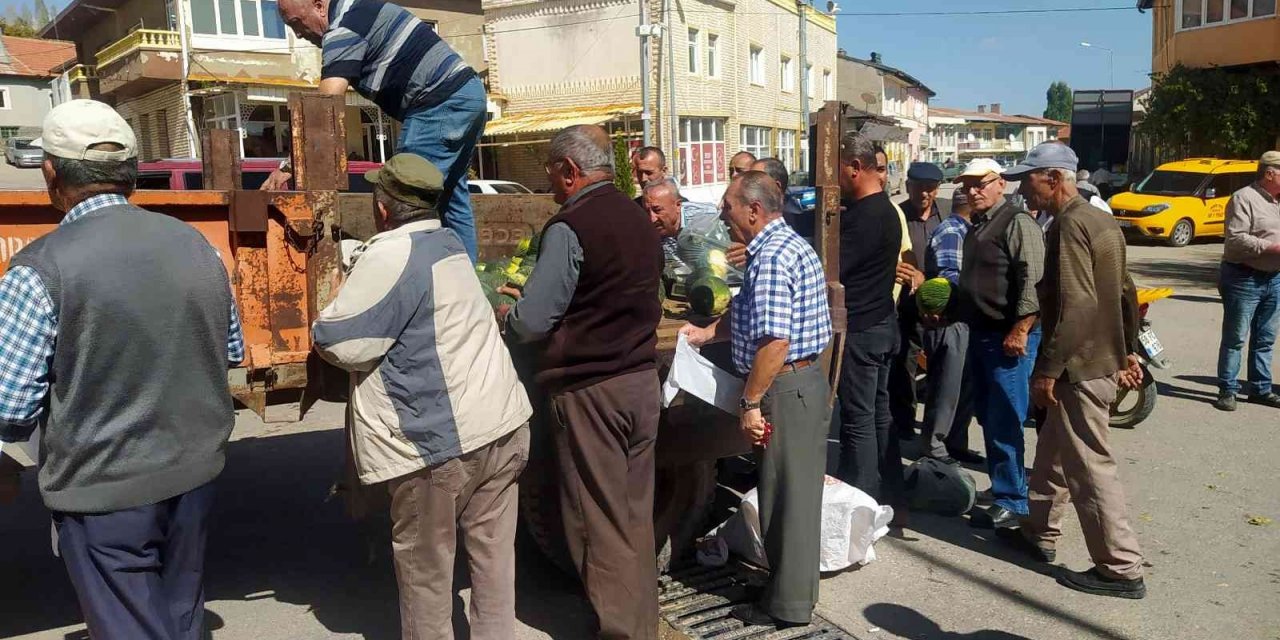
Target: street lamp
1111	60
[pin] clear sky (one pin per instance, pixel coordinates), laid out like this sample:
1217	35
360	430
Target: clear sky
1011	59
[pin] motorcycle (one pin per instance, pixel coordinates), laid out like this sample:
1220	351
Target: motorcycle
1132	406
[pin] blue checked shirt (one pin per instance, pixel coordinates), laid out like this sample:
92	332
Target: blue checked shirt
945	253
784	296
29	329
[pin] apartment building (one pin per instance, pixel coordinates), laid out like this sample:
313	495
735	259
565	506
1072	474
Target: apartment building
736	69
957	136
1219	33
26	66
876	88
239	63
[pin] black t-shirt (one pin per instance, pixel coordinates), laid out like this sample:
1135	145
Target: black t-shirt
870	243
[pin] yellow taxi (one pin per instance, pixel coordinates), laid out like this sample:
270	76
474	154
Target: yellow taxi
1184	200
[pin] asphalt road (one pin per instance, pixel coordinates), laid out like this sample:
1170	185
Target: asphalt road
285	564
12	177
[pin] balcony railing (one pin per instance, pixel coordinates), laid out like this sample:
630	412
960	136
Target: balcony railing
991	145
149	39
82	73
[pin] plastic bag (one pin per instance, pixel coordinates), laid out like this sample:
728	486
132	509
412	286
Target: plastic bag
702	246
851	523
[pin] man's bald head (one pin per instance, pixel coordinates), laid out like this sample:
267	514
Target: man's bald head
740	163
308	19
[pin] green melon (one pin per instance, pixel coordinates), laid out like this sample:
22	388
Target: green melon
529	246
709	296
933	296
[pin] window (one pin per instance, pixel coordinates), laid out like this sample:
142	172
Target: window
153	180
756	141
247	18
4	98
713	55
694	53
164	150
8	132
144	136
702	159
787	148
756	70
828	86
1198	13
810	80
788	74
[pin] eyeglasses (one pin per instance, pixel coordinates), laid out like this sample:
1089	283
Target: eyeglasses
551	164
980	186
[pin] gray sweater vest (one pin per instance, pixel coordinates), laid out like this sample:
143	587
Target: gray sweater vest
139	409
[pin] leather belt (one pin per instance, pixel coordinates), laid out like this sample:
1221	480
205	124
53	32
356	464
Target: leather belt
797	365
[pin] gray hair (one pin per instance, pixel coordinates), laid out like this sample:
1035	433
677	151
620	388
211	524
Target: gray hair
758	186
664	185
587	146
118	176
776	170
400	212
855	146
1083	175
1066	175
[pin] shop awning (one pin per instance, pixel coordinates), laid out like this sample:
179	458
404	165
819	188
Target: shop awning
557	119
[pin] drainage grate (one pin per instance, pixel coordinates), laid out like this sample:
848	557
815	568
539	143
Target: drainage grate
695	602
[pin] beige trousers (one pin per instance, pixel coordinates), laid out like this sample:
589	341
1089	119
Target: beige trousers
1074	463
475	495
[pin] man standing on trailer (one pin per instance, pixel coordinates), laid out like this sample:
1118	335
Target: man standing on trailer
398	62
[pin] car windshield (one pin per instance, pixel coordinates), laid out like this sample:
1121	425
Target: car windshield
1171	183
23	144
509	188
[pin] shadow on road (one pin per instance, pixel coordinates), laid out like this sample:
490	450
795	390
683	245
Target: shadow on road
274	537
1193	298
905	622
1176	273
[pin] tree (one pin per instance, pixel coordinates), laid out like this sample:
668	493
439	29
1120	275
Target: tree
1213	112
43	16
622	168
1058	98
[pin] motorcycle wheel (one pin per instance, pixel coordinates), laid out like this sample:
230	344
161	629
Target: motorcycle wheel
1132	407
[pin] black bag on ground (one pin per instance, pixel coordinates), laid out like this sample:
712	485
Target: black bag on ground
940	488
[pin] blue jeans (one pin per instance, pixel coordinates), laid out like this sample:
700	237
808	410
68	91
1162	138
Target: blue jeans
1001	398
446	135
1250	304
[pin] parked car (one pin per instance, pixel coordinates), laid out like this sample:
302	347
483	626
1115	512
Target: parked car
496	187
185	174
1184	200
19	153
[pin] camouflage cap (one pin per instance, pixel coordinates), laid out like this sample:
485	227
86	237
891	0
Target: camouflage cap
409	178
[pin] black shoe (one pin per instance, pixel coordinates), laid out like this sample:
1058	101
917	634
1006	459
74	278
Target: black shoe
1268	399
986	497
967	456
994	518
1225	402
751	616
1015	538
1099	585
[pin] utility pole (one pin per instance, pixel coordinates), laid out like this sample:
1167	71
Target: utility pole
184	87
801	7
644	31
674	143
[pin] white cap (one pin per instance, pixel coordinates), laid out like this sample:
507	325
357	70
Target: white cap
72	128
980	167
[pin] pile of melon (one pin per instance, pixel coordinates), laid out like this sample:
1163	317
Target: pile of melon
508	272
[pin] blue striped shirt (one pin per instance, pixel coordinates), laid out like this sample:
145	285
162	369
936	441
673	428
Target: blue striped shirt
29	330
945	253
390	56
784	296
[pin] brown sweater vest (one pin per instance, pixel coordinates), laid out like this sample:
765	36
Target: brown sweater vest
610	326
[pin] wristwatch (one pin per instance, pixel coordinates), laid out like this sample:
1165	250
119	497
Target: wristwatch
747	405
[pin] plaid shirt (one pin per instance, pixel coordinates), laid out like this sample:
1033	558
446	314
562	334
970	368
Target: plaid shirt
29	329
945	252
784	295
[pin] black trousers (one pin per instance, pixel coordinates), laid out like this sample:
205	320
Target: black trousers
870	457
139	573
902	375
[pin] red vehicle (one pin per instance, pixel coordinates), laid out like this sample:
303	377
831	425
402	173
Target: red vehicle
185	174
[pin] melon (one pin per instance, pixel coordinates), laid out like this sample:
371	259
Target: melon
709	296
933	296
717	263
529	246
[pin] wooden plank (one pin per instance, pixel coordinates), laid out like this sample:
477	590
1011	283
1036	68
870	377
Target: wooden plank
319	131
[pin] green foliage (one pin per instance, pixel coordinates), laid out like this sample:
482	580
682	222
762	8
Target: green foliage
1213	112
1058	98
26	21
622	168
